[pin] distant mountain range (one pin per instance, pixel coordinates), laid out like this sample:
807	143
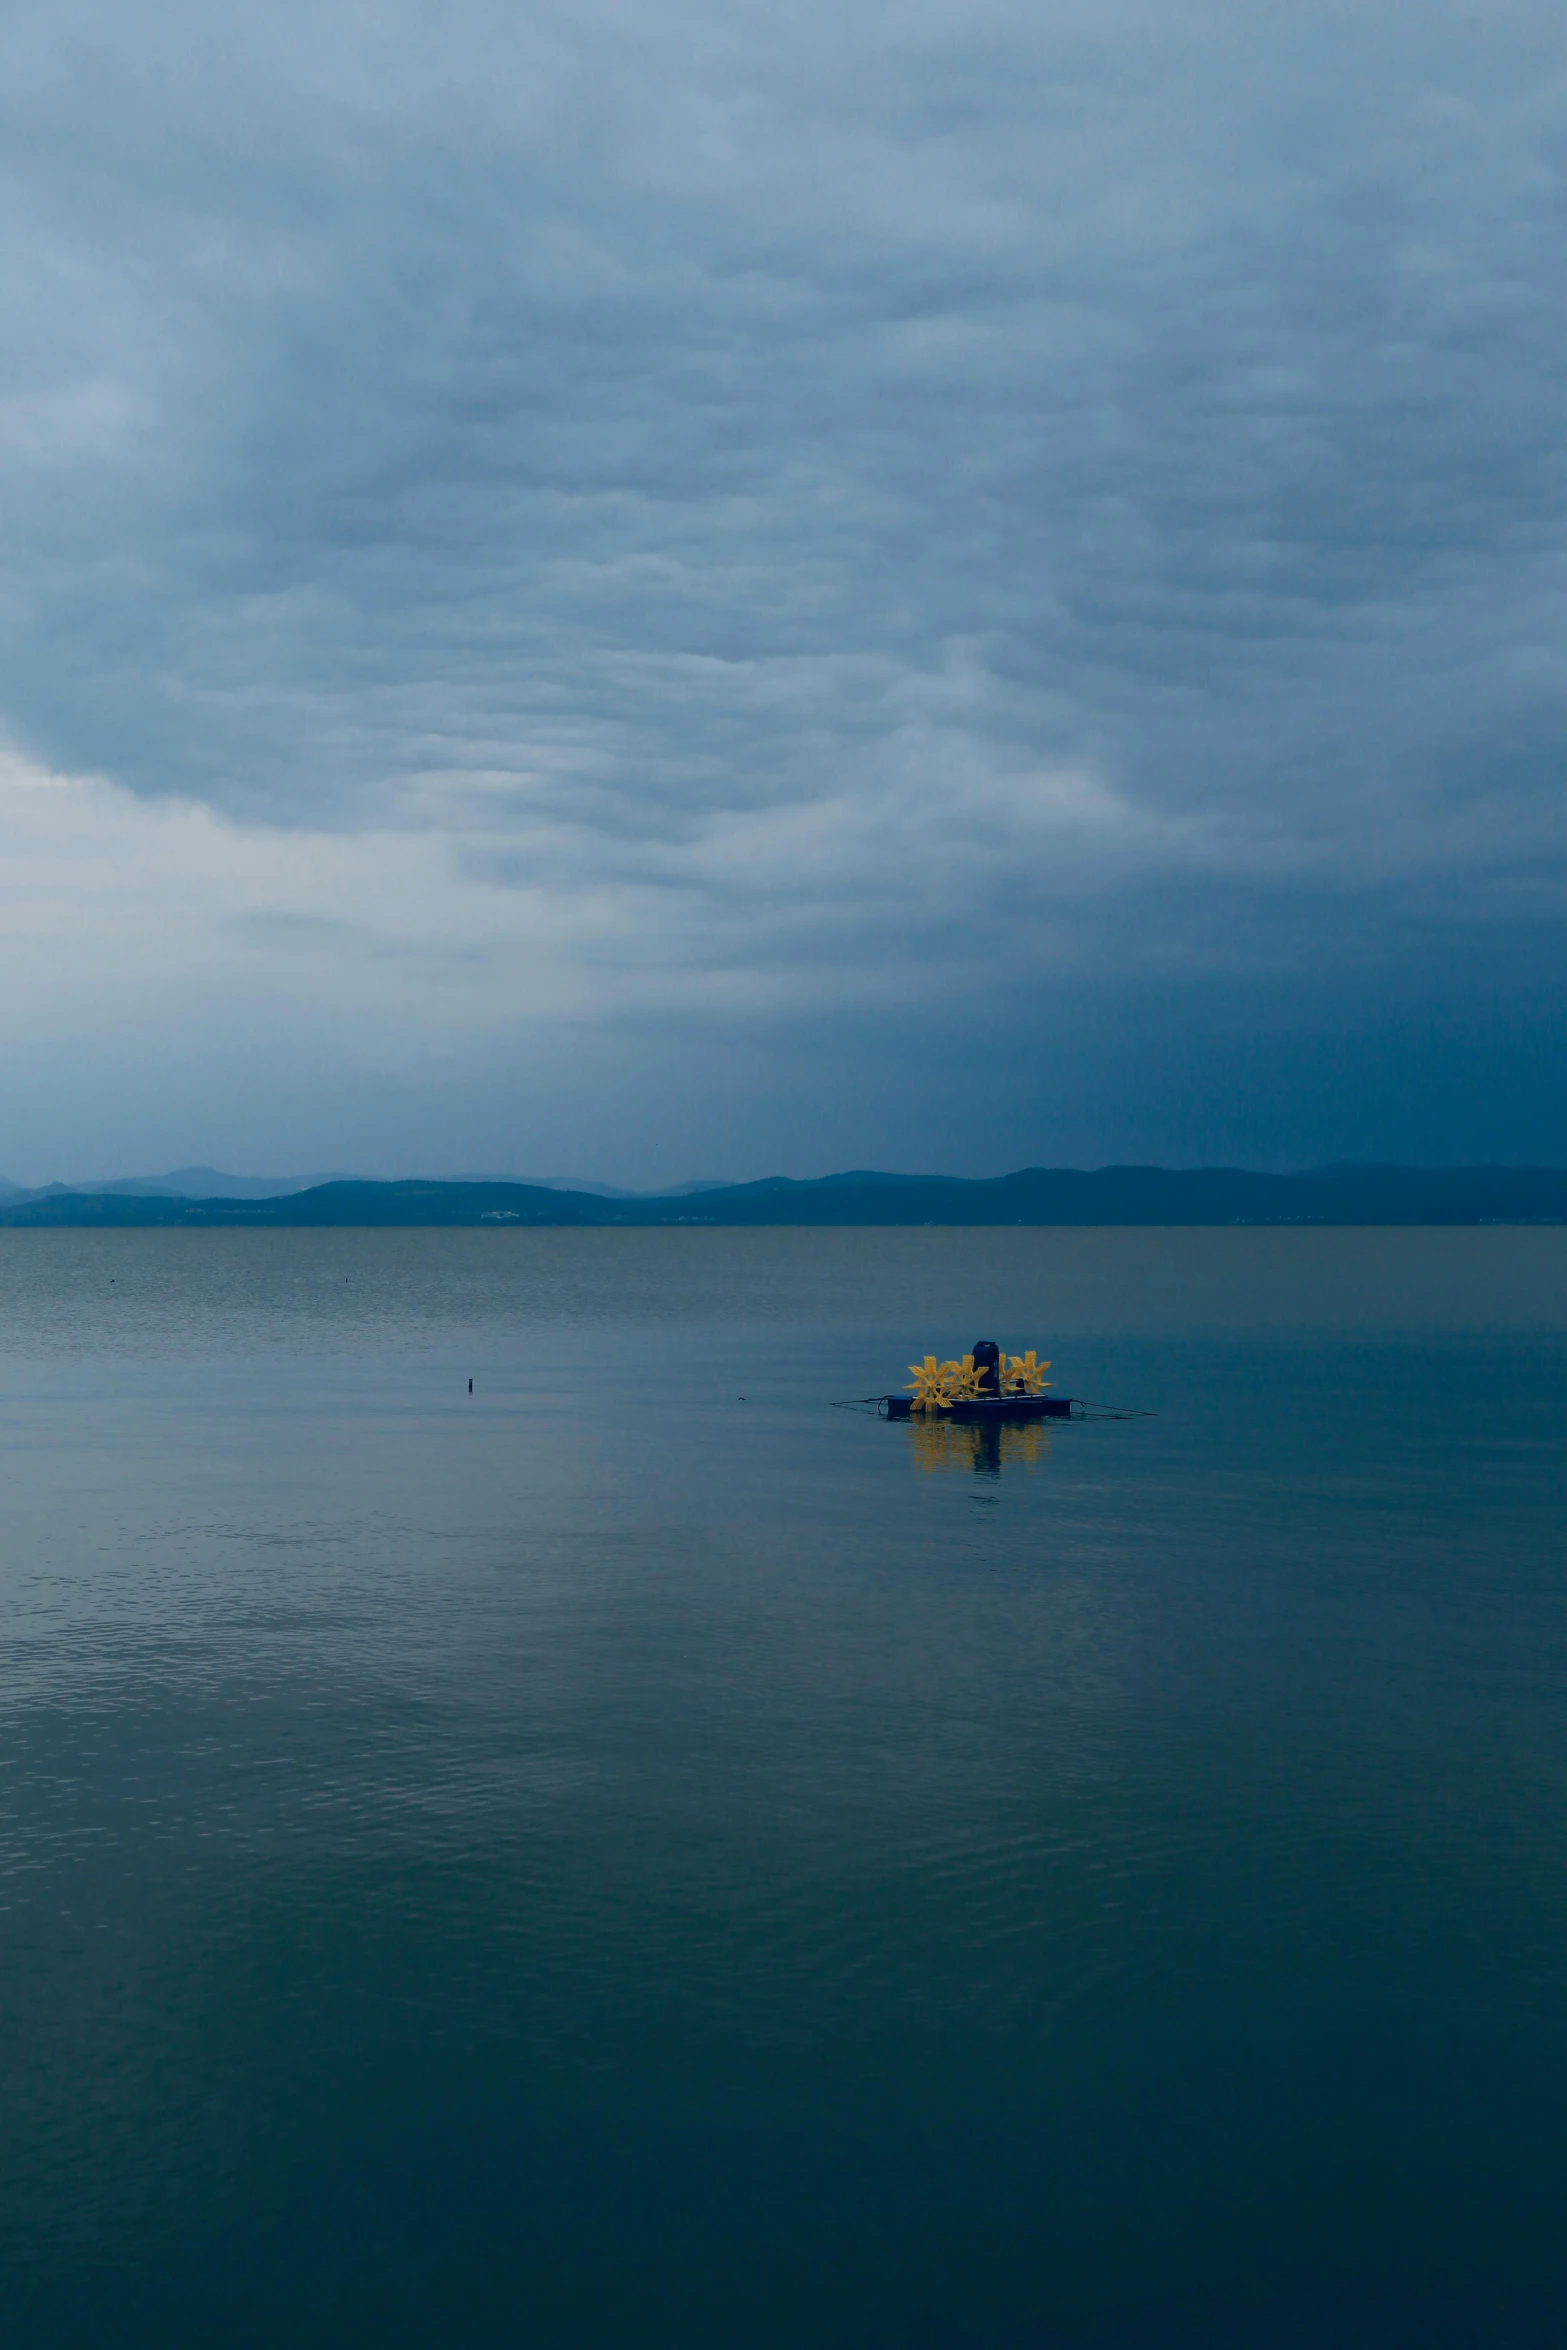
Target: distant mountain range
180	1183
1034	1195
212	1183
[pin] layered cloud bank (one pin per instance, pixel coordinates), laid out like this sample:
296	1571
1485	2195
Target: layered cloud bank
688	593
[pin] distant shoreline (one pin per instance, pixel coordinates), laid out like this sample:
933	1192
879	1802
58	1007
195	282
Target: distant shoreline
1051	1196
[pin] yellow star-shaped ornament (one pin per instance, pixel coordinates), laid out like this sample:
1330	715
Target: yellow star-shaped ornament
931	1385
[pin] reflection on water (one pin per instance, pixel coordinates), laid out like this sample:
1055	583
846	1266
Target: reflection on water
985	1448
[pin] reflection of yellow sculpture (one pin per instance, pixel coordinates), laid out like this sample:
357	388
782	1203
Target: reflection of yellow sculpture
1027	1444
932	1443
958	1444
1024	1376
931	1384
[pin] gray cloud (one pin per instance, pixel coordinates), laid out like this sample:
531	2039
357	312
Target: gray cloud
883	496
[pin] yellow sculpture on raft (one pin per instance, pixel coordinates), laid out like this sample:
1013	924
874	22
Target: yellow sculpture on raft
938	1386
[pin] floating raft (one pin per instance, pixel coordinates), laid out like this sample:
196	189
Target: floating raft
988	1387
987	1410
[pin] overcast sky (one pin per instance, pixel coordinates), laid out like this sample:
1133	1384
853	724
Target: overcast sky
658	591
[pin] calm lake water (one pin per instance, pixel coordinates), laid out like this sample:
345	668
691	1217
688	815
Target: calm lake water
635	1857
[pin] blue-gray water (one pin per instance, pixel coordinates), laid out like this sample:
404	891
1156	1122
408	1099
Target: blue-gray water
602	1862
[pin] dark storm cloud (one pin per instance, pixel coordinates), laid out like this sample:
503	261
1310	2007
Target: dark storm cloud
872	488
